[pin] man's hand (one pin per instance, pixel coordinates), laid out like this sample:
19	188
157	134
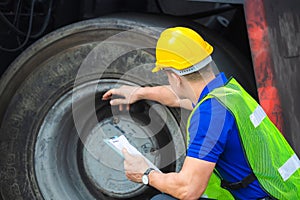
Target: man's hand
162	94
130	94
135	166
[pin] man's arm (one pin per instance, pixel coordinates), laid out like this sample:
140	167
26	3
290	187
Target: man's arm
162	94
189	183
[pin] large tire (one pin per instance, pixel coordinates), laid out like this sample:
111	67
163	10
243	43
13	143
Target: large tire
44	154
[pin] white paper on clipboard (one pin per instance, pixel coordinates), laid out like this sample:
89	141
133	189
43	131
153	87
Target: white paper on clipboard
118	143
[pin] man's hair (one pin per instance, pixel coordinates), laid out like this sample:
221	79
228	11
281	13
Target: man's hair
201	74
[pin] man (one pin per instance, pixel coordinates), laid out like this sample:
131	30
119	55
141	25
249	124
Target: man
228	131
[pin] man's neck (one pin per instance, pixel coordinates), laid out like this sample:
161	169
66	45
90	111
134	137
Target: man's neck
196	87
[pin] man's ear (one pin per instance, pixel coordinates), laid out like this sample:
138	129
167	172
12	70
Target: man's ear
177	78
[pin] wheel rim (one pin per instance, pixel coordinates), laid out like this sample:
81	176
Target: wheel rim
97	171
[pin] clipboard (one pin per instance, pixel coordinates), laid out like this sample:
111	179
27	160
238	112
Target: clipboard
118	143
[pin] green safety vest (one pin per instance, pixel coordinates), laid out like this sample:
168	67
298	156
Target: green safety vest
272	160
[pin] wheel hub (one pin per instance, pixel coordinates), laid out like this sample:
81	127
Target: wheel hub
103	166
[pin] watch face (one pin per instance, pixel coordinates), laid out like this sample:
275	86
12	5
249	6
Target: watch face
145	179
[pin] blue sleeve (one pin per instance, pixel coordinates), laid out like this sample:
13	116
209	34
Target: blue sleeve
208	130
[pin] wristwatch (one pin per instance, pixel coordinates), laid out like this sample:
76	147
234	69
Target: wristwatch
145	178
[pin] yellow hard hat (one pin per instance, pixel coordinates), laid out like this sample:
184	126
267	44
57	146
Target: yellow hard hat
182	50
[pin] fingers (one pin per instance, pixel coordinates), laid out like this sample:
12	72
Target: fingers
107	95
115	102
126	154
121	107
134	177
129	162
134	166
118	97
124	151
121	103
121	97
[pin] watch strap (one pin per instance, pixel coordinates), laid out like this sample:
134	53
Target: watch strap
147	172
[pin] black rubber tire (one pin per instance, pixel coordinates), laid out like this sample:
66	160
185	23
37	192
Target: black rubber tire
47	70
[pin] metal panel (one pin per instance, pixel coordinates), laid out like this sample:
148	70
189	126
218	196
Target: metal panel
273	30
262	63
283	18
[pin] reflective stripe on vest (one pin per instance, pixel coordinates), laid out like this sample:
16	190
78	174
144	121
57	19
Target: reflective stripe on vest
270	157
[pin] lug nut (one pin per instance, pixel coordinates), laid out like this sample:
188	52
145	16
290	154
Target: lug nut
115	120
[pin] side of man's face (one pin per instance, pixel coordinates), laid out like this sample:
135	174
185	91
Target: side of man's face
175	83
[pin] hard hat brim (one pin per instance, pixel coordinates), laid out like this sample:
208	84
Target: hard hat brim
185	71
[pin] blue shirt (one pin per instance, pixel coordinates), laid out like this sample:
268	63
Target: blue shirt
214	137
